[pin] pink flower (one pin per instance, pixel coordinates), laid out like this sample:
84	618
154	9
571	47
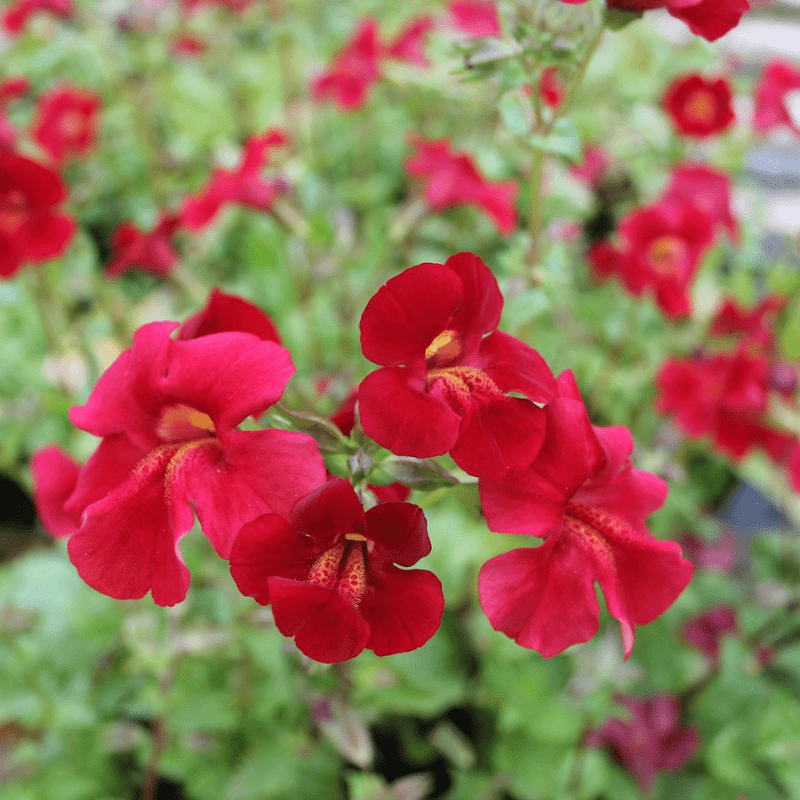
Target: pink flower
778	80
716	556
244	185
698	106
593	167
451	178
474	18
409	44
332	576
583	497
705	630
167	413
151	251
16	15
551	88
66	122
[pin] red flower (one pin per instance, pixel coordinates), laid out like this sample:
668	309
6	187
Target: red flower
30	227
16	15
151	252
13	89
223	313
243	185
583	497
662	247
187	45
707	189
778	80
651	741
474	18
331	575
354	69
699	107
167	411
551	89
451	178
55	475
704	631
409	44
593	167
444	384
754	324
66	119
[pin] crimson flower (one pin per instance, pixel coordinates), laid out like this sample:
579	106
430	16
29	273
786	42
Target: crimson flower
444	383
151	251
223	313
652	740
332	576
409	44
662	246
551	88
698	106
354	69
66	121
451	178
778	80
31	229
55	475
243	185
16	15
474	18
10	89
167	411
583	497
704	630
752	324
705	188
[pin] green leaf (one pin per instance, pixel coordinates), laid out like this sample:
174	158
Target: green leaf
512	113
616	20
563	140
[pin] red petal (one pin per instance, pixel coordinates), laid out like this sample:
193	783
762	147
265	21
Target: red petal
403	610
329	511
227	312
516	367
401	532
47	236
54	477
326	627
482	303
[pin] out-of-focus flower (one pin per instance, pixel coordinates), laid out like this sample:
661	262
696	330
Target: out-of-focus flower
698	106
16	15
652	740
584	498
167	413
54	477
705	188
704	631
593	167
31	227
751	324
13	89
662	246
223	313
451	178
151	251
333	575
550	88
66	122
409	44
243	185
447	371
716	556
778	80
474	18
354	69
188	46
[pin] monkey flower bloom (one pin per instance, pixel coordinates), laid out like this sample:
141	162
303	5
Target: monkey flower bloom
583	497
151	251
752	324
704	630
699	107
451	178
16	15
331	575
354	70
167	412
778	80
444	384
243	185
651	741
663	245
223	313
54	477
31	229
66	121
409	43
475	18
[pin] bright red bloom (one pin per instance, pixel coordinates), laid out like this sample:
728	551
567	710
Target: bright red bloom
66	122
778	80
662	246
451	179
16	15
752	324
243	185
167	412
707	18
223	313
704	630
31	229
651	741
445	383
332	576
724	395
583	497
55	475
354	69
707	189
151	251
13	89
409	44
475	18
551	89
593	167
699	107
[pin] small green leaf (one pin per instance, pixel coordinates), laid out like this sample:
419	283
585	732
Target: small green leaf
512	113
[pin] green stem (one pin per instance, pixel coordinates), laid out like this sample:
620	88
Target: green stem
535	206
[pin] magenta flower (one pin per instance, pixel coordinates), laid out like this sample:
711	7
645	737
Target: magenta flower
151	251
778	80
474	18
66	122
705	630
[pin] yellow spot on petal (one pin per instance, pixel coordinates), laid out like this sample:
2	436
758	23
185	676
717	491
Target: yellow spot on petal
445	347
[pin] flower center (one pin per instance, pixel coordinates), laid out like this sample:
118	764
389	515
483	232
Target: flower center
700	107
461	383
344	567
444	348
665	255
13	210
71	124
181	423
